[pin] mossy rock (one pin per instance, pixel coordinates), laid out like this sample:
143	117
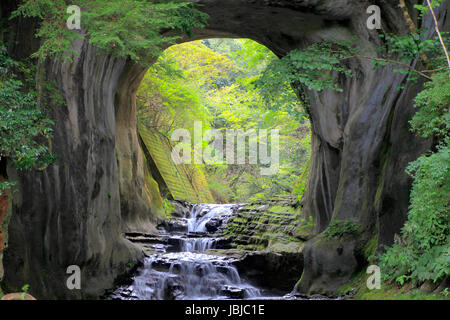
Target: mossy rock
153	196
340	229
291	247
371	247
277	222
356	288
182	184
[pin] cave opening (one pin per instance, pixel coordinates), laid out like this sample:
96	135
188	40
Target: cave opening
201	115
209	139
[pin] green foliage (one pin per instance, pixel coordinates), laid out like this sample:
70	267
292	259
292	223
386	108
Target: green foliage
423	9
57	37
338	229
400	50
318	66
422	252
308	224
215	80
169	208
429	211
222	192
314	68
121	27
433	115
6	185
357	288
133	28
253	59
165	94
24	289
22	125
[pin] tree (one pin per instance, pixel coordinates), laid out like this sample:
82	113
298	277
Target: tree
22	126
124	28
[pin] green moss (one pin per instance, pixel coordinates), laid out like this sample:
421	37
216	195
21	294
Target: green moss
276	226
153	196
371	247
339	229
383	161
284	209
251	247
183	184
391	293
291	246
357	288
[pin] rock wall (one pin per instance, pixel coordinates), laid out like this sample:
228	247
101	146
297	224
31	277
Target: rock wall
271	235
75	211
268	224
4	217
70	213
361	142
134	206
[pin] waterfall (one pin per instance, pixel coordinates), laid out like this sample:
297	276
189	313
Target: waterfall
199	244
190	273
197	222
200	215
190	276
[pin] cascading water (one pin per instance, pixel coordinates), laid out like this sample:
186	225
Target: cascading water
187	275
197	244
190	273
202	213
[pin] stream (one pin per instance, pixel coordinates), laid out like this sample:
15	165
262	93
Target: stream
179	266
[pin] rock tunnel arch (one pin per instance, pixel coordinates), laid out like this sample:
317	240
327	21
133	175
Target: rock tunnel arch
74	212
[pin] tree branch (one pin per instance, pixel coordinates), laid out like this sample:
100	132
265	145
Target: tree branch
421	73
436	25
413	29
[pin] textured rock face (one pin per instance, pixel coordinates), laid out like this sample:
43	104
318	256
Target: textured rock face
70	213
4	204
361	141
75	211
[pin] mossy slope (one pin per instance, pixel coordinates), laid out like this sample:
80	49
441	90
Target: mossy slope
275	226
182	184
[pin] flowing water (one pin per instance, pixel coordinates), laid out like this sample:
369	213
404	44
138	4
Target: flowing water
188	272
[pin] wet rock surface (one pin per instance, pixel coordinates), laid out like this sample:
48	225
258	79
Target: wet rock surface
213	225
182	265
